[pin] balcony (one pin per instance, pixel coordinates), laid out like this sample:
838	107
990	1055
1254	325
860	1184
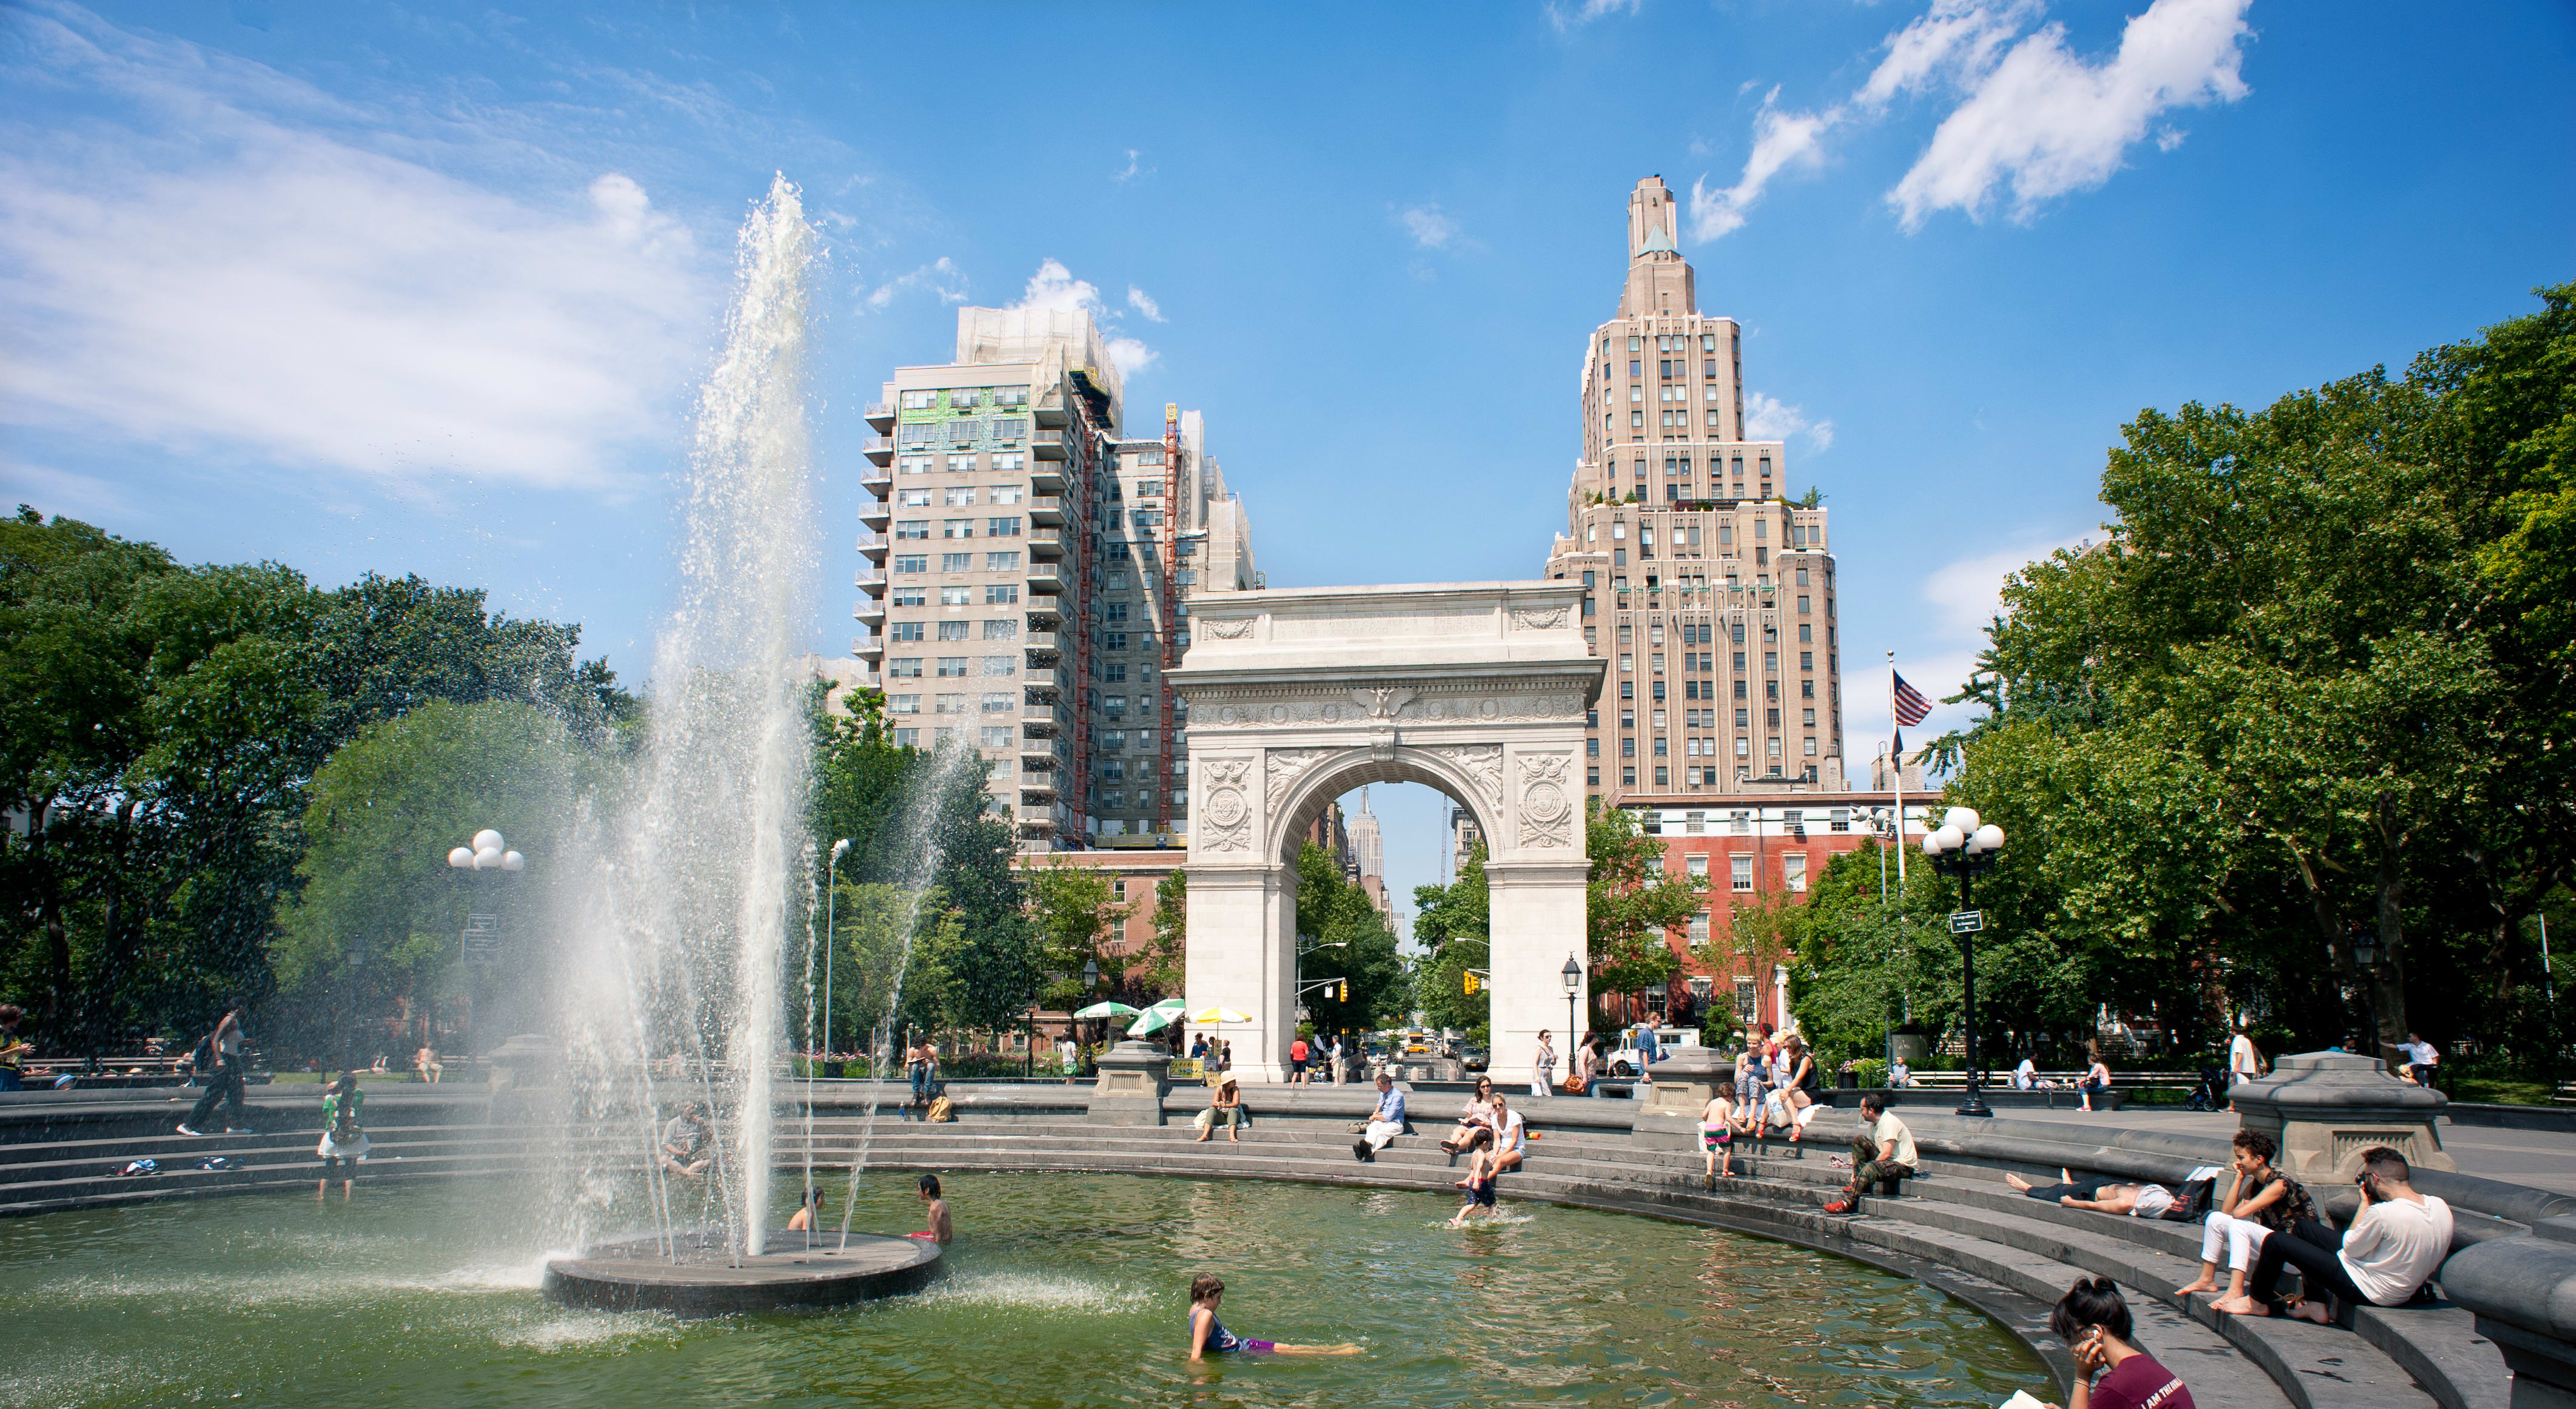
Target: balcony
1045	577
880	415
1046	542
1038	791
876	515
874	586
1049	410
879	449
1040	721
1046	445
869	614
1037	753
872	546
1046	509
868	648
1046	478
1042	647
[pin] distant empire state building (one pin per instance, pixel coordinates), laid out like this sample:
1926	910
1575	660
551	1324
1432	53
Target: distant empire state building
1369	851
1709	592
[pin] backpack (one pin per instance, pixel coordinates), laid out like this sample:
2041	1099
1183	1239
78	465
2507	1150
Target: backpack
941	1111
203	1058
2191	1201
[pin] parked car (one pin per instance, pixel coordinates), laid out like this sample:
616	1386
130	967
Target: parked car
1473	1057
1624	1061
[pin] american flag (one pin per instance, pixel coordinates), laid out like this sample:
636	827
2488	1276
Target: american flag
1911	707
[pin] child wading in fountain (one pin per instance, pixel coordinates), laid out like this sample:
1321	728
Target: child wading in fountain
344	1142
809	1214
938	1231
1209	1336
1717	1136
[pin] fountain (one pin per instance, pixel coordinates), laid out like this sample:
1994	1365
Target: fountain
679	969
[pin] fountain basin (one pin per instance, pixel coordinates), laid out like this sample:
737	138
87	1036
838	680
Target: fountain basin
801	1271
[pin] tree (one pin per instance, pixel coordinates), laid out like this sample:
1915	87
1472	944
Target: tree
1632	907
1166	970
1455	923
1355	944
997	962
1071	910
883	987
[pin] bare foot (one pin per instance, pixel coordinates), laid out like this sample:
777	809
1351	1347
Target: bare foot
2018	1182
2307	1310
1200	1141
2240	1306
2203	1285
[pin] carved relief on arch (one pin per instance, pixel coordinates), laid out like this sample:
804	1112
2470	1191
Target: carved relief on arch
1224	822
1482	763
1284	767
1230	628
1538	618
1546	807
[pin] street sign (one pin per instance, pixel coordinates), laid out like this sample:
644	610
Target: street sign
482	936
1967	921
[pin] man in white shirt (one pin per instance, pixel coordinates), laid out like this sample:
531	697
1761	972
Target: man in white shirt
1885	1150
2243	1062
2025	1076
2394	1246
2421	1058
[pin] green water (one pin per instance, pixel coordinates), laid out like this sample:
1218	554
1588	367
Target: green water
1062	1290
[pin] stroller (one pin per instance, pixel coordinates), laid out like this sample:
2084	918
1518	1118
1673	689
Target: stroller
2211	1093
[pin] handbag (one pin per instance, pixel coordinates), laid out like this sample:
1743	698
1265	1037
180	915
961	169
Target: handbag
1574	1086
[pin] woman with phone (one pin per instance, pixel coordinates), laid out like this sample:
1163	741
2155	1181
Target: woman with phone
2110	1373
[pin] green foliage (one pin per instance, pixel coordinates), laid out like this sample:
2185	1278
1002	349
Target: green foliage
1631	906
2316	681
1454	922
1166	967
997	964
868	922
1072	912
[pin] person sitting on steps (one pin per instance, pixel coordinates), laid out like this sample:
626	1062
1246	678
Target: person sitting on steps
1225	1104
1884	1150
1475	1122
682	1140
1384	1124
2260	1201
2394	1246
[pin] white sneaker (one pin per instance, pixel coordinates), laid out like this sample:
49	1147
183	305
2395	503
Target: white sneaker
186	1131
239	1130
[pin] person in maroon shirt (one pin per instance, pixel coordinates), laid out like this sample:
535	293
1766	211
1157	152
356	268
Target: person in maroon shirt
2093	1321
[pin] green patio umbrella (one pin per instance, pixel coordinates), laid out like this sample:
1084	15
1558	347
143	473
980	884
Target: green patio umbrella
1108	1010
1158	1017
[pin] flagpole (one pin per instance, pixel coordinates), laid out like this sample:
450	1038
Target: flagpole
1898	774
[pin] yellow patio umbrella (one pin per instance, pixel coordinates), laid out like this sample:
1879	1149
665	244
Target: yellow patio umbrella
1218	1016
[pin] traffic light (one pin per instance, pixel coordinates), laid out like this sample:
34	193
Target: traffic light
1471	983
1346	990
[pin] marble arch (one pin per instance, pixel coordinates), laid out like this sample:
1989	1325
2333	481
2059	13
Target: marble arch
1298	695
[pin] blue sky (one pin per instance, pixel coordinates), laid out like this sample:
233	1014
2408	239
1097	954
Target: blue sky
428	287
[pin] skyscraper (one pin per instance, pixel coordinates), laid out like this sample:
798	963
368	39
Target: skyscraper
1711	592
1368	850
1029	571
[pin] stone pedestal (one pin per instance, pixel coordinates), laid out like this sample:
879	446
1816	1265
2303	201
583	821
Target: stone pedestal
2523	1291
2325	1108
1135	1076
528	1059
1679	1088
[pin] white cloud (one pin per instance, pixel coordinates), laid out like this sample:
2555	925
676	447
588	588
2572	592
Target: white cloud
196	264
1429	228
1054	286
53	491
1780	140
1768	418
2047	123
941	276
1959	600
1132	170
2030	114
1583	12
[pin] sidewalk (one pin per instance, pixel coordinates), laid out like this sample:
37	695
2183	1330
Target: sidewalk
2539	1159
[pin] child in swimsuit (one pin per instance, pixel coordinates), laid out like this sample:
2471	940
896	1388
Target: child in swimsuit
1209	1336
1717	1136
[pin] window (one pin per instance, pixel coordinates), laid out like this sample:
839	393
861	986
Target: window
1001	628
1001	665
911	528
1592	748
1001	594
1741	721
948	704
904	668
1803	607
1591	777
911	596
1114	612
912	498
1810	720
1628	747
1699	928
907	738
1628	776
952	631
903	704
912	562
1698	865
1663	778
952	667
1771	662
964	398
916	465
954	596
1113	704
960	464
1115	672
1806	632
907	631
1007	465
1811	743
919	400
1114	641
1739	872
1806	660
956	562
1145	518
994	737
956	528
1010	528
1743	747
1149	489
1005	494
1000	702
1001	562
958	496
1627	662
1793	870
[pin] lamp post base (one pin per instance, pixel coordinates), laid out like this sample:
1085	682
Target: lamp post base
1975	1105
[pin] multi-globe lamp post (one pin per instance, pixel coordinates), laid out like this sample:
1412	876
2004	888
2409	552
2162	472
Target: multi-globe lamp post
489	852
1962	846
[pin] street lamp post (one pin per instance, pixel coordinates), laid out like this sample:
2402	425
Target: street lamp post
1572	973
489	852
1961	847
2365	963
1091	985
831	883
